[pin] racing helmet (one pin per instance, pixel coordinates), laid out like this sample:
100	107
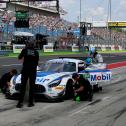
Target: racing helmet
88	61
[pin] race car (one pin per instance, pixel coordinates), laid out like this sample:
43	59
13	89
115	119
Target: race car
54	76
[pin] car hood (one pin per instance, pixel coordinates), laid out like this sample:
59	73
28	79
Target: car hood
44	78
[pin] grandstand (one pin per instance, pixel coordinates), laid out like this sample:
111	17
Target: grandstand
109	36
46	21
42	20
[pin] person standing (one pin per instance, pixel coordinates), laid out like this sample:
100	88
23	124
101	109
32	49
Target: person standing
30	59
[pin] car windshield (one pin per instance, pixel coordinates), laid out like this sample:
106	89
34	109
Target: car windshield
58	67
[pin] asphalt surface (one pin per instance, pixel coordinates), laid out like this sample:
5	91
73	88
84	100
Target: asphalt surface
7	63
108	107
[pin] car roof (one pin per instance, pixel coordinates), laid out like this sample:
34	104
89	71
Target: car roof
65	60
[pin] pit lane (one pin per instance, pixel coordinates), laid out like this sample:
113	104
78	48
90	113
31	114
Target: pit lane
7	63
107	109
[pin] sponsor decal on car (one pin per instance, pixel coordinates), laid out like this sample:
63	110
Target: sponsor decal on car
103	77
97	75
87	75
59	88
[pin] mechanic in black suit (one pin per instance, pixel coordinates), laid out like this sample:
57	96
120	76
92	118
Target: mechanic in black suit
30	59
82	88
5	80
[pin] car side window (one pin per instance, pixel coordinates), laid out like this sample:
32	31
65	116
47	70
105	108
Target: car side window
69	67
81	67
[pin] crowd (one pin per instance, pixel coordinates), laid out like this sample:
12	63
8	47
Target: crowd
52	23
104	33
38	23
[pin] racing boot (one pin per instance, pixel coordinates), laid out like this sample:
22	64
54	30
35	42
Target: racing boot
19	105
90	98
31	104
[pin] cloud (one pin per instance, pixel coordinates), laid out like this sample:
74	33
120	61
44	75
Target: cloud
118	11
66	3
96	13
123	3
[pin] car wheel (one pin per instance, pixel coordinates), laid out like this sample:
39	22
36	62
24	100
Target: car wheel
69	92
100	88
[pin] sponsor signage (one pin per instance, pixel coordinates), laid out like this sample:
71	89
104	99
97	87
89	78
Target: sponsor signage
3	5
103	77
98	76
75	48
59	88
4	53
21	15
48	48
116	24
18	47
24	0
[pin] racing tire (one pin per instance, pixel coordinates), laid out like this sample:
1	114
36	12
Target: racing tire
100	89
95	88
69	92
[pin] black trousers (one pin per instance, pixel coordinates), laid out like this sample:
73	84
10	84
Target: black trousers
31	75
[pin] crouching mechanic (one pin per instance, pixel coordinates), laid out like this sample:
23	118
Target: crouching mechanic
82	88
5	80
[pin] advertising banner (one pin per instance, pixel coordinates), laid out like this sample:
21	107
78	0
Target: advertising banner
116	24
3	5
48	48
75	48
18	47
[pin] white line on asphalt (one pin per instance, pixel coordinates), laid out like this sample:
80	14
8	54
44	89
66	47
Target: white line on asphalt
11	65
106	98
80	110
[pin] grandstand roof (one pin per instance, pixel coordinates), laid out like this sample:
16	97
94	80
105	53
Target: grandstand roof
53	10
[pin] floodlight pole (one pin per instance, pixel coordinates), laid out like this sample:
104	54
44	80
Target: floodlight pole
110	9
57	5
80	10
80	28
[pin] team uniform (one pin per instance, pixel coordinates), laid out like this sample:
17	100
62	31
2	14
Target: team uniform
3	82
31	58
87	92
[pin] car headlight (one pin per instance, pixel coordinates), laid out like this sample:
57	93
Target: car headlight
54	83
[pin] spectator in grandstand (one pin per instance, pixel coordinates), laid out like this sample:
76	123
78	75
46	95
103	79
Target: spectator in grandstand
5	80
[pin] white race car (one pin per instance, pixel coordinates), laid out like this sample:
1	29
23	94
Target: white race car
53	77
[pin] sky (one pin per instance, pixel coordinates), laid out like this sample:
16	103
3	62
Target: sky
94	10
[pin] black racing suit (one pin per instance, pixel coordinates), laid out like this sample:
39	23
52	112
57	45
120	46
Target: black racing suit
87	93
3	82
30	61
